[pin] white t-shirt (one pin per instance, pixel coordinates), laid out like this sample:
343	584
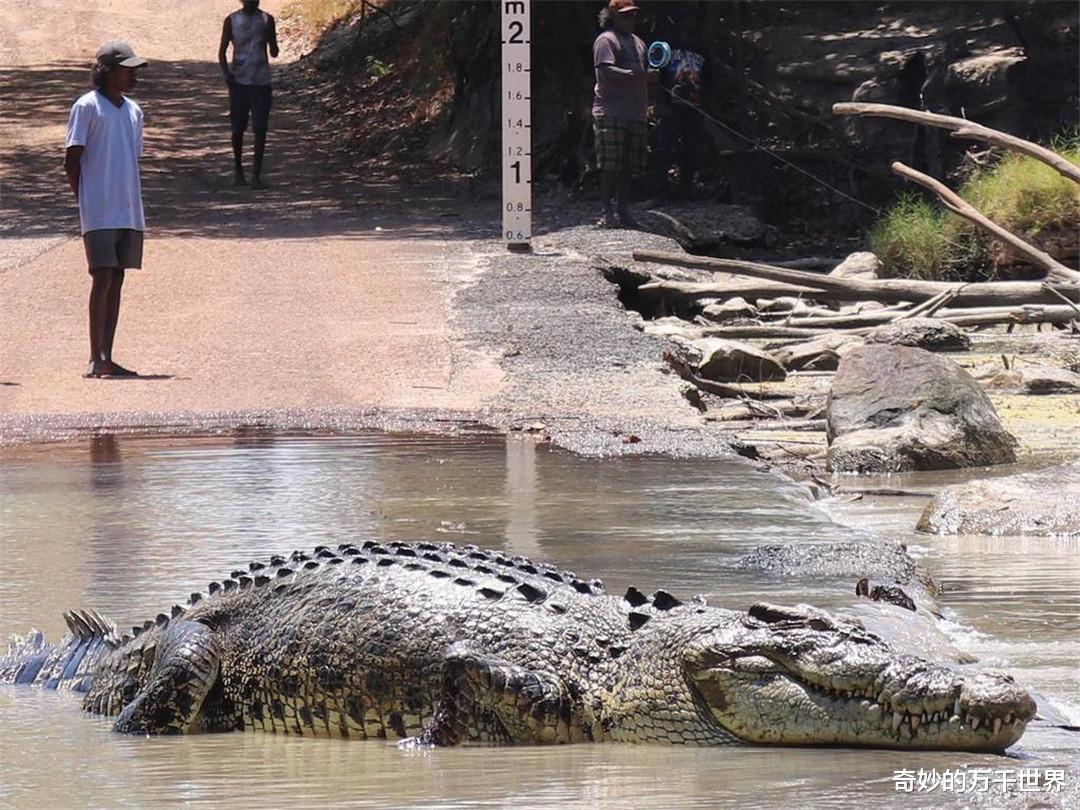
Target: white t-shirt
110	194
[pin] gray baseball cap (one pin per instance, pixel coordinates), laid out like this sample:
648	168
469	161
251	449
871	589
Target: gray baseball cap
118	53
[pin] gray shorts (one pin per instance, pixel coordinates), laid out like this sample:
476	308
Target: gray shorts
113	247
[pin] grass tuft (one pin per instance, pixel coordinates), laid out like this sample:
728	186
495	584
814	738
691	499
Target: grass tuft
919	239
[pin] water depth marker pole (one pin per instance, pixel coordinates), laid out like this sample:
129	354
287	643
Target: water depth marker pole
516	126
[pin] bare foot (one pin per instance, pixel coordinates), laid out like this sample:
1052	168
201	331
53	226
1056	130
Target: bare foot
107	368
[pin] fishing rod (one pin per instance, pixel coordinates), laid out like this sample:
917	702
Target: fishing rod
659	56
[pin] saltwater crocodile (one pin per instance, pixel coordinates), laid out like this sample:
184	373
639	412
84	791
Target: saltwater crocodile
447	644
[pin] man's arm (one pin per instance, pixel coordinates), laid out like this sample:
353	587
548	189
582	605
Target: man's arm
71	167
273	37
615	72
223	48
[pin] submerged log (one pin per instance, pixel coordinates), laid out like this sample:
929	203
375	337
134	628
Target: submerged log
891	291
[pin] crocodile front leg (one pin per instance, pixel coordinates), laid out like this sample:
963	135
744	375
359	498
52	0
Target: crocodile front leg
184	671
490	701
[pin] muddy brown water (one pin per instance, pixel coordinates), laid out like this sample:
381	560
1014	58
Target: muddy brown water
131	526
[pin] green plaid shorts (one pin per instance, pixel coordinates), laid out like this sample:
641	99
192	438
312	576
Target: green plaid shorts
620	145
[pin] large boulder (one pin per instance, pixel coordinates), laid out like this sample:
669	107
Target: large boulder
726	360
1045	502
923	333
894	408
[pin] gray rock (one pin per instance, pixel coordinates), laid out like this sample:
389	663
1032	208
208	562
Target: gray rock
819	354
704	226
784	303
895	408
1036	378
670	327
1041	503
729	361
866	557
862	265
983	80
730	310
924	333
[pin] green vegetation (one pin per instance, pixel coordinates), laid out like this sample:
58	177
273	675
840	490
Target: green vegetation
376	67
919	239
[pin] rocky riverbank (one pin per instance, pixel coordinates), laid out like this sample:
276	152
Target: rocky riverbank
592	363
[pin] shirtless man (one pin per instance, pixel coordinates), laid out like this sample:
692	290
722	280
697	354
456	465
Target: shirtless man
253	35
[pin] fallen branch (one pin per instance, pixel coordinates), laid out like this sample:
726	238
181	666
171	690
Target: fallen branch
889	291
1054	269
812	425
1051	288
751	331
1013	316
731	391
962	128
927	308
734	288
969	316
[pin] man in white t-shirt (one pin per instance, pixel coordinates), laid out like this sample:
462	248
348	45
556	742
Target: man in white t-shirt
104	143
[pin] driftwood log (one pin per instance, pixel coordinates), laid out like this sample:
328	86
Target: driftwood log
889	291
962	128
733	288
1055	270
972	316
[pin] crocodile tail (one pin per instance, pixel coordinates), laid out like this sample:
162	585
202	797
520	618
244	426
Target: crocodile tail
67	665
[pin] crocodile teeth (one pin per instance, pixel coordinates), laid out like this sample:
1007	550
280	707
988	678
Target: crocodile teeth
1008	719
897	719
975	721
869	692
997	725
916	721
956	707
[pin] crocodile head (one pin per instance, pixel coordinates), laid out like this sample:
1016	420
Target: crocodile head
800	676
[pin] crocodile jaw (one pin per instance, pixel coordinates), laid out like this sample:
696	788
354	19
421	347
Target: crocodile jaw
775	707
799	676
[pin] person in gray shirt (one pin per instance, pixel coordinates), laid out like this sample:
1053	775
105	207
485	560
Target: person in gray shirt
620	109
253	33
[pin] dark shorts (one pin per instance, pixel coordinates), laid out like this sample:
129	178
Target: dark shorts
253	100
113	247
620	145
